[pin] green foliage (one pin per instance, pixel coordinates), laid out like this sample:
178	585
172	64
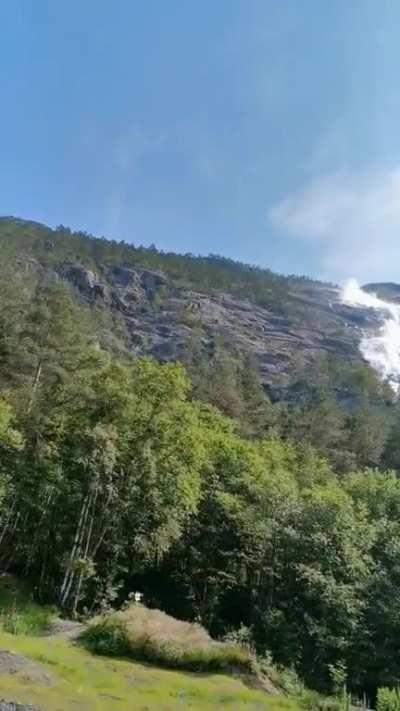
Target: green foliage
312	701
276	519
338	673
210	274
344	410
283	678
31	620
19	613
388	699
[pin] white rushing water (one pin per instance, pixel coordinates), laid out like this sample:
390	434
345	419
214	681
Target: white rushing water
381	350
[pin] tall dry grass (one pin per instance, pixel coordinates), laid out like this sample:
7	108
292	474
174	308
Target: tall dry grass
153	636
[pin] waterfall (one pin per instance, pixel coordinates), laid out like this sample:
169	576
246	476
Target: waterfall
381	349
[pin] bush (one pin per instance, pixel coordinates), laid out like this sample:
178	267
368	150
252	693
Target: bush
30	620
19	613
153	636
313	701
286	679
388	699
242	637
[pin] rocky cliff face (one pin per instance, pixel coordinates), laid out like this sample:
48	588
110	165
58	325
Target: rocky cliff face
164	310
161	319
388	291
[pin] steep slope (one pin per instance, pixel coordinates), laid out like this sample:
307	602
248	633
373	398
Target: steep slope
165	303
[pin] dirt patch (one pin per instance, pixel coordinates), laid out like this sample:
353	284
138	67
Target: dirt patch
25	669
68	629
261	683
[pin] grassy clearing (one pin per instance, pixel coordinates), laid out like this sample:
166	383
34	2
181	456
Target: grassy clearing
84	682
81	681
19	613
153	636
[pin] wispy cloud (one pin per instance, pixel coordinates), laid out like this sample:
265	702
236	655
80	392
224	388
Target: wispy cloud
352	219
133	144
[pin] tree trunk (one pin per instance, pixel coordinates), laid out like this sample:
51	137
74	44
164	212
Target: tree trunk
69	573
35	385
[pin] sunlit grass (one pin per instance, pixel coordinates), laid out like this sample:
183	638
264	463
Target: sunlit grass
82	681
86	682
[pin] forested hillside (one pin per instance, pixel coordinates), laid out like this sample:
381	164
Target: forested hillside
181	307
254	499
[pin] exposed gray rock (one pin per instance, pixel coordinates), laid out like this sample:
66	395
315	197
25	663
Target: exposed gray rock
69	629
83	279
124	276
11	706
152	280
320	322
388	291
23	668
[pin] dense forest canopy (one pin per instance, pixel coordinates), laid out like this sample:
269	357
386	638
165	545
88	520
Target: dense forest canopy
186	481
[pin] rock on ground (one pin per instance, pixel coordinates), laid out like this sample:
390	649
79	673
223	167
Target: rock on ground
23	668
10	706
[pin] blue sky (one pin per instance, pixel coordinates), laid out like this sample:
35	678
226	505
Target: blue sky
264	130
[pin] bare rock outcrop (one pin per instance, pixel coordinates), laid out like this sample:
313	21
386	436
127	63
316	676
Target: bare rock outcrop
11	706
161	317
23	668
83	279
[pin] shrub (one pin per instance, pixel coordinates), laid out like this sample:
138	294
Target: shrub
242	637
153	636
313	701
388	699
29	620
19	613
286	679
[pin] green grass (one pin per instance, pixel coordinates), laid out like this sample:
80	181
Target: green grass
82	681
88	683
19	613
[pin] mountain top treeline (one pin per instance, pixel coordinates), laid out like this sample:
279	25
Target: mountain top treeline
209	273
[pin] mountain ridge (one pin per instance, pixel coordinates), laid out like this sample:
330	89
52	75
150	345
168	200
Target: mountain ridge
164	301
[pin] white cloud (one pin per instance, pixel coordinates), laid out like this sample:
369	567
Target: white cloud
351	219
